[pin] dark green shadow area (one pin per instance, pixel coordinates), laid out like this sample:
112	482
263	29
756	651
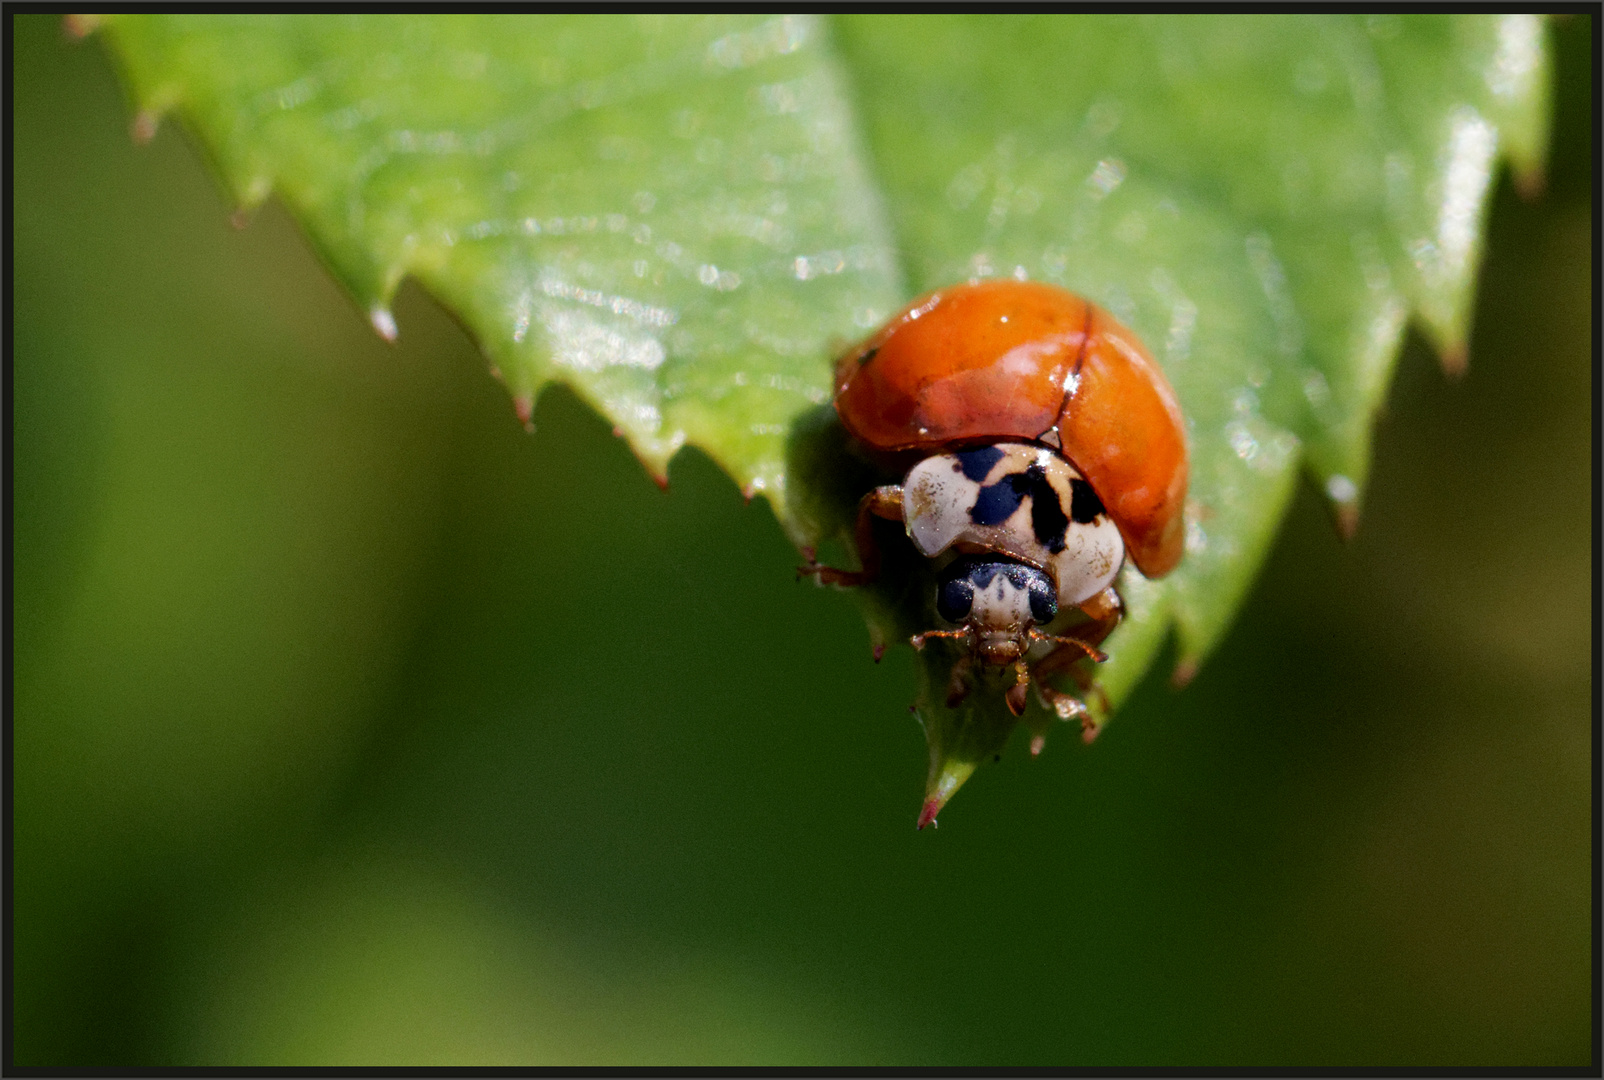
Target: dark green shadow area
355	724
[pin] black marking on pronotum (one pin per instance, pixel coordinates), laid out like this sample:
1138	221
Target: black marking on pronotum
868	354
1084	505
1047	518
978	463
997	502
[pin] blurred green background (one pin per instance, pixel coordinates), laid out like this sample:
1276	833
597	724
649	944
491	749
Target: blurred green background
353	724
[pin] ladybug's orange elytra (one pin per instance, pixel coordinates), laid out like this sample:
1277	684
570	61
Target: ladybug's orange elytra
1007	359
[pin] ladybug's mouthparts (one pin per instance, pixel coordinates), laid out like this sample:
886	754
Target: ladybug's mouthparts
1000	649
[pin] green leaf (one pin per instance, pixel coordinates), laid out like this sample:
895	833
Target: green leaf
685	218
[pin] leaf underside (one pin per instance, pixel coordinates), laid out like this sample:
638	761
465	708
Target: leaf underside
684	218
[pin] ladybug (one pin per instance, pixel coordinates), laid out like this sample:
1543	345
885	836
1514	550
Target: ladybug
1047	446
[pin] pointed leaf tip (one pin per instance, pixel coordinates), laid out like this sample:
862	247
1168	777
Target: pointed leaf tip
1454	360
946	777
383	323
144	126
1344	496
79	27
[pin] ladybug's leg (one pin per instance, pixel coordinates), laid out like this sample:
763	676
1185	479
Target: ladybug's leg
958	685
1105	609
1015	698
1062	659
1067	706
882	502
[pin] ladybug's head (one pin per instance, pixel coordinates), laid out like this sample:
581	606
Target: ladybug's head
998	601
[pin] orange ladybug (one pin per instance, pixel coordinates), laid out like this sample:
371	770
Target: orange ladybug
1052	446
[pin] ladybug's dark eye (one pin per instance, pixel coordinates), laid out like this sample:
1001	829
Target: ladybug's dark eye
1043	600
954	599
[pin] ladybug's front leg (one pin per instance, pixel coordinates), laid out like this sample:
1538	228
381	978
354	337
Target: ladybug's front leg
883	502
958	684
1105	610
1062	659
